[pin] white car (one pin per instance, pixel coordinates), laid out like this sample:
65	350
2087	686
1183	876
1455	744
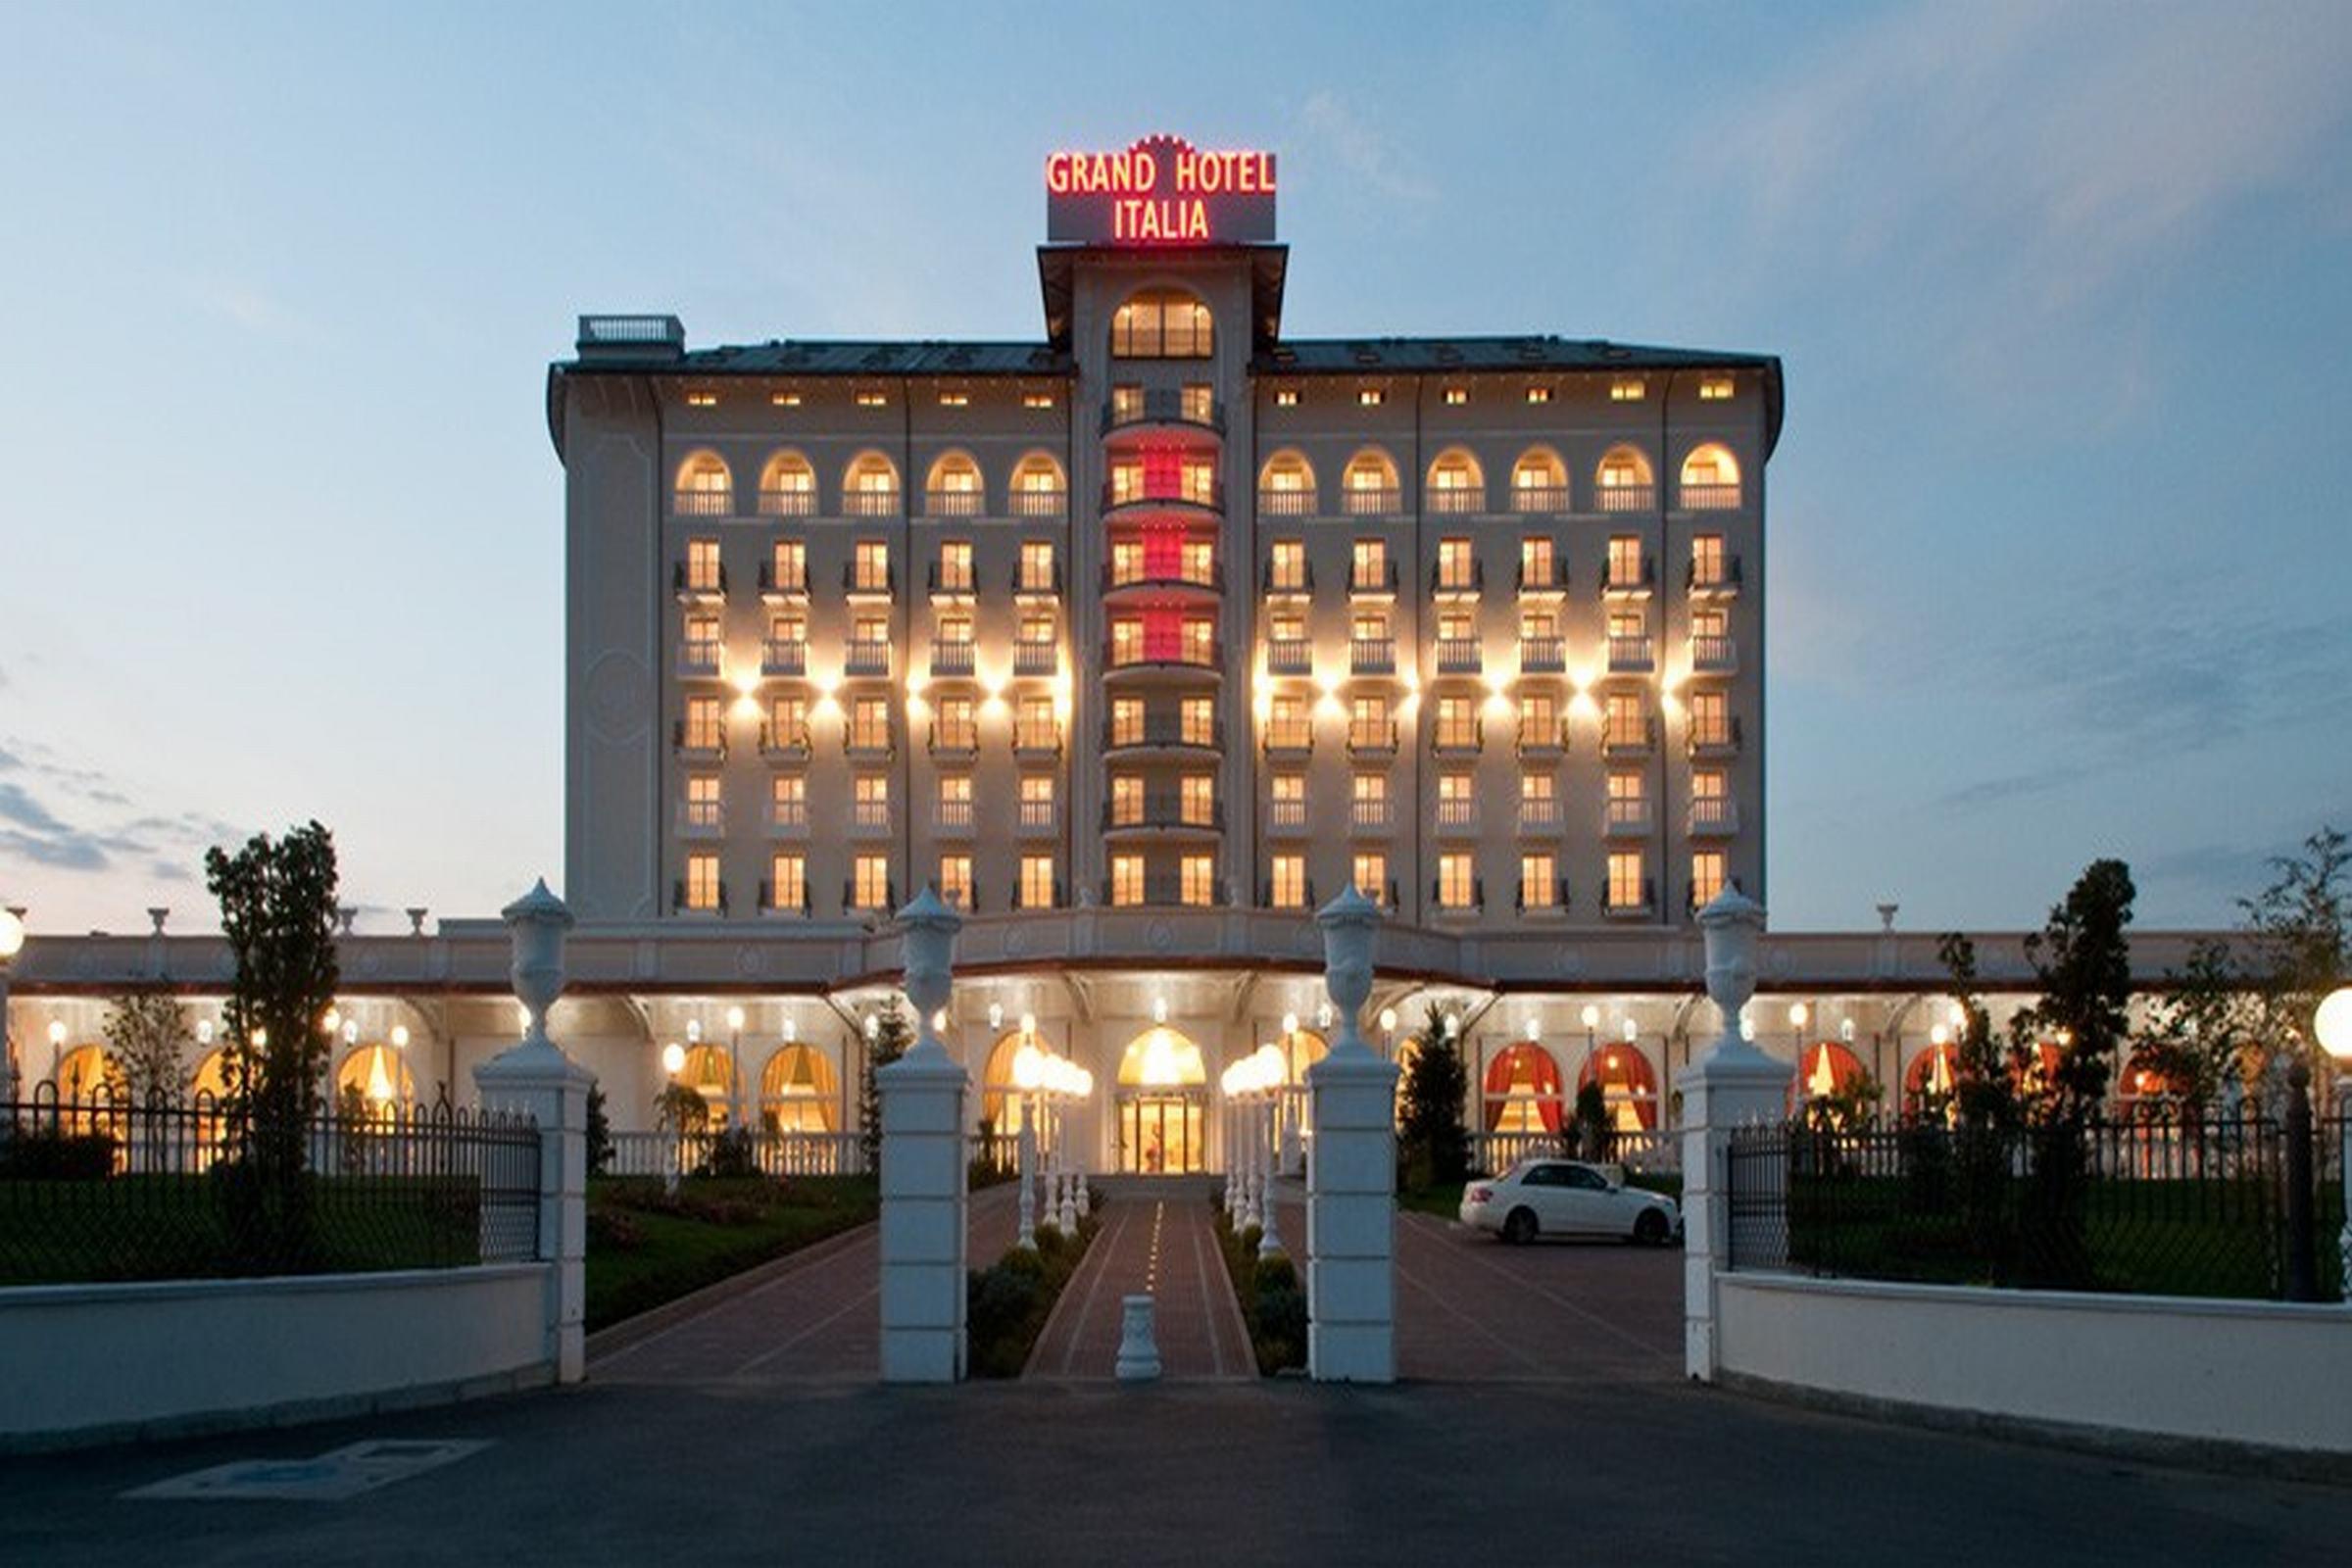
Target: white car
1566	1197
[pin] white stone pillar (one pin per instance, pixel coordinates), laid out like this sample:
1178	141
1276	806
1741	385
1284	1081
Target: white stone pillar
1351	1171
1735	1085
534	1078
923	1175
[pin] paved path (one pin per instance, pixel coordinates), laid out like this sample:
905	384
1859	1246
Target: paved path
814	1320
1165	1246
1472	1310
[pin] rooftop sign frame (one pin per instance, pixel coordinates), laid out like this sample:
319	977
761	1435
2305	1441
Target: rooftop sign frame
1159	192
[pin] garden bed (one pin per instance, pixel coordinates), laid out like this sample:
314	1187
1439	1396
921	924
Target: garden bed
1009	1300
1271	1294
647	1246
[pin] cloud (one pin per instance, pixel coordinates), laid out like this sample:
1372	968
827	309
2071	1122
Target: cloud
1360	151
65	850
2016	787
18	807
252	310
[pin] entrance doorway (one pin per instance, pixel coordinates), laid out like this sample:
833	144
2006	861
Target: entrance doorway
1159	1132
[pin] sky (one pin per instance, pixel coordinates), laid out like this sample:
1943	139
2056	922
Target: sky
2057	523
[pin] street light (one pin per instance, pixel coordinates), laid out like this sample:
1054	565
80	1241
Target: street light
12	943
2333	1023
1027	1066
734	1066
674	1061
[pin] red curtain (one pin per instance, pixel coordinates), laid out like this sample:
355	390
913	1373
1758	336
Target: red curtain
1534	1064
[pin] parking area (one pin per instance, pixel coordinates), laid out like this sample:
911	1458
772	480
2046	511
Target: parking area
1470	1310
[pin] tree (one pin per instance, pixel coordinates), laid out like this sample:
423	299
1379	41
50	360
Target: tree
277	911
147	1033
599	1132
891	1035
2205	1031
2297	928
1433	1146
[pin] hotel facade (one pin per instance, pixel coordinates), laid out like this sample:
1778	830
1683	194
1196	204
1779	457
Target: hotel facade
1138	641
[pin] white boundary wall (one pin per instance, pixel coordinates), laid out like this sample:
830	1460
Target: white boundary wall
2243	1372
93	1362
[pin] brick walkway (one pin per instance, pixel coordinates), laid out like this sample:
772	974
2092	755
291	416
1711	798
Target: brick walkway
1157	1240
1472	1310
812	1317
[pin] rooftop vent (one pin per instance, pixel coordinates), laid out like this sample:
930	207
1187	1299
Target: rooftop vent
631	337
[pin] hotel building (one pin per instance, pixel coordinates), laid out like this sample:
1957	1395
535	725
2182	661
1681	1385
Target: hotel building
1138	641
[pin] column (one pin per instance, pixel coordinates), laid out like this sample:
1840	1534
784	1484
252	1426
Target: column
1351	1171
923	1176
1735	1085
534	1078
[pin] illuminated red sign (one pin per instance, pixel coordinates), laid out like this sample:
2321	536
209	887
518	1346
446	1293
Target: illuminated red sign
1161	191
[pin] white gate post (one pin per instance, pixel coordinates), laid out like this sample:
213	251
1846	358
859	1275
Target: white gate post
1735	1085
923	1175
1350	1171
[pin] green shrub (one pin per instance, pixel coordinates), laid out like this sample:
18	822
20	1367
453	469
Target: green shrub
58	1156
1276	1274
731	1155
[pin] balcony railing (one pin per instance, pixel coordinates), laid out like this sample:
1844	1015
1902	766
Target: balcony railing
1292	577
698	741
788	819
956	738
870	503
1289	656
712	902
1156	809
1372	501
1542	655
1163	730
702	818
1542	897
1209	493
1376	739
1540	815
784	656
1040	581
867	743
1300	897
1038	817
1286	815
1461	655
869	818
1630	655
1546	575
1697	898
954	817
1626	497
1457	578
1196	653
1040	505
1714	656
1457	900
702	503
1037	658
1168	889
1455	500
1053	897
866	657
700	657
1538	498
1372	578
954	504
687	582
1459	739
1033	742
1369	816
1722	739
1162	574
1164	406
1627	898
794	902
1709	497
1625	577
1628	817
1713	815
788	742
869	578
1372	656
789	502
791	583
1722	579
951	580
1457	816
1286	503
1295	738
952	655
879	898
1547	737
1629	736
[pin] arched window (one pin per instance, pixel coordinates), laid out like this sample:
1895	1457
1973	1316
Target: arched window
709	1073
1629	1087
1539	481
1163	324
797	1091
1623	483
1370	484
706	488
1932	1071
1001	1104
89	1074
1161	1058
379	1075
870	487
1040	489
1522	1090
788	486
1456	484
1711	480
953	489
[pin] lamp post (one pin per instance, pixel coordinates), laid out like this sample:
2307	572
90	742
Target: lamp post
2333	1023
1025	1066
12	943
1272	1076
674	1061
1387	1034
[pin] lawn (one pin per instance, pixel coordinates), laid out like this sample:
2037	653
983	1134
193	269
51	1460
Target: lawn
646	1247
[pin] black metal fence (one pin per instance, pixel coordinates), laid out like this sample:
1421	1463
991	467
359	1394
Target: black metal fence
2159	1205
104	1187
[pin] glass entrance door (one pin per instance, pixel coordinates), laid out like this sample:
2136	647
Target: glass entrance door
1160	1133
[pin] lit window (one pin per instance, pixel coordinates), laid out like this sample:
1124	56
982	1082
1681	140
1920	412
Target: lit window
702	400
787	881
1034	727
954	400
1710	719
1371	397
1629	799
1126	879
702	642
1625	561
788	565
872	487
703	889
1707	560
1289	883
788	723
1196	720
1456	625
1037	565
869	884
706	487
1457	804
1457	565
1037	400
869	566
1715	389
870	724
1538	719
1710	478
1286	397
1539	394
873	400
1627	877
700	731
1037	882
1457	886
1456	395
788	800
1197	879
702	571
702	800
1706	876
1368	723
952	728
956	880
1538	556
1538	881
1628	389
1161	324
1198	403
1623	471
1197	801
1371	871
1288	799
785	400
1286	724
1286	566
1370	481
1622	722
1457	722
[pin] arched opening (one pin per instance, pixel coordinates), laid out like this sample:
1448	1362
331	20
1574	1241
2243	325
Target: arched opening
954	488
1161	1100
1040	489
2144	1084
1629	1086
788	486
1522	1090
1163	324
1710	478
1001	1104
1302	1049
708	1073
1286	486
88	1074
1823	1069
1623	480
1539	481
378	1077
798	1093
706	488
1457	483
1369	483
870	486
1934	1071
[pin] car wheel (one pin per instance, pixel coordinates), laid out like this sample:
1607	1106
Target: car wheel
1519	1226
1649	1229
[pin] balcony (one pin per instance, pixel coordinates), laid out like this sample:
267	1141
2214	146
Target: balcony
793	902
701	819
1209	494
954	504
1372	656
1713	817
1289	656
1543	897
1540	815
1370	816
1628	817
1037	658
1294	741
1614	498
869	579
1372	579
1457	579
1458	818
1163	732
705	585
1456	500
1037	817
1538	498
1621	900
702	503
1286	503
879	898
1457	903
1461	655
1287	577
1302	897
952	580
785	657
1542	737
1163	573
787	819
790	584
866	657
700	658
1709	497
1546	575
1722	579
1629	579
1035	743
1714	656
1459	740
1629	736
712	903
871	502
1164	406
1632	656
1371	740
1038	579
1053	897
1145	653
951	657
1162	811
1164	890
1697	898
795	502
1040	505
1372	501
1285	817
954	819
869	745
956	740
788	744
1717	740
1542	655
869	819
699	742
